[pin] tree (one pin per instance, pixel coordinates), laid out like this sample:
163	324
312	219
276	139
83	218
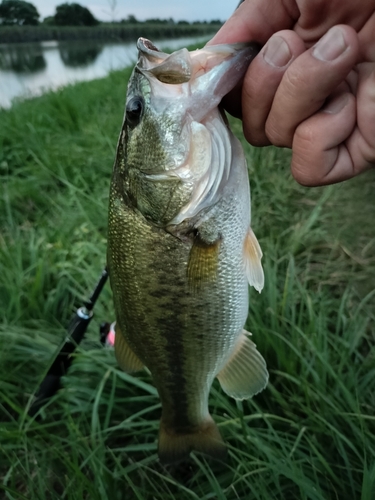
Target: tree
73	14
49	20
18	12
131	19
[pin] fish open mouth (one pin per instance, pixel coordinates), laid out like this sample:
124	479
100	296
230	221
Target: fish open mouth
182	66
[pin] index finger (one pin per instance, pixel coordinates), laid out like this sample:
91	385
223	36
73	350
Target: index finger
257	21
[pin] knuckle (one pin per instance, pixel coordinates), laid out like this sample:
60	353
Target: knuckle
303	156
255	136
304	136
278	134
296	79
302	176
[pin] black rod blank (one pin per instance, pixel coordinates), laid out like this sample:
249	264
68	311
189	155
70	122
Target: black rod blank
76	331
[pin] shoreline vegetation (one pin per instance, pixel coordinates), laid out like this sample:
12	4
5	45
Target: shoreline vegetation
310	435
105	32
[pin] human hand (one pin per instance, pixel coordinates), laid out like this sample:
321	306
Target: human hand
312	87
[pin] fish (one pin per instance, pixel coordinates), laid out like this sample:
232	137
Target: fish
181	251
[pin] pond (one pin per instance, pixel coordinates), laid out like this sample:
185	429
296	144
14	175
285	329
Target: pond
28	70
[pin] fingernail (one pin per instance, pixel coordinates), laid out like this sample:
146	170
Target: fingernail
331	46
336	104
276	52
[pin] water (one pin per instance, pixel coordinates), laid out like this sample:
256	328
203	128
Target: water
28	70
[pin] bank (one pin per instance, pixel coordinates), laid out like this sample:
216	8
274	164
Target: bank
104	32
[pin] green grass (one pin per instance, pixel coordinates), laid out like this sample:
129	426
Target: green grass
310	435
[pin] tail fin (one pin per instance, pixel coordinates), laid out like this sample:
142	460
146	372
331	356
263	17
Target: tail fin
174	446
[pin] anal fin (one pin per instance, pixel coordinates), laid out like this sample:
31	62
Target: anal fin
128	361
245	373
252	259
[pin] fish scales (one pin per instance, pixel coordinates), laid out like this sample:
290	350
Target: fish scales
180	248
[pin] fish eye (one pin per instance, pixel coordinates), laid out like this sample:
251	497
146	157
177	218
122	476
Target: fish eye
134	110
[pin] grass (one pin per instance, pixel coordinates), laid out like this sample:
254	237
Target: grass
310	435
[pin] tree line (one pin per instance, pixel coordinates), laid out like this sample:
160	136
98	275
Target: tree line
22	13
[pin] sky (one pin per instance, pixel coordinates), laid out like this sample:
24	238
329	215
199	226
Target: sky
189	10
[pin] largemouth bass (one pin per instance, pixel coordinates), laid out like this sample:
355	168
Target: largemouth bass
181	251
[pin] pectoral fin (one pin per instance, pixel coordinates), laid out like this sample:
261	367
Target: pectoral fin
203	262
252	259
245	374
128	361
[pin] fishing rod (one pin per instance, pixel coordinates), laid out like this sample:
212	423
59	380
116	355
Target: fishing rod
76	331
